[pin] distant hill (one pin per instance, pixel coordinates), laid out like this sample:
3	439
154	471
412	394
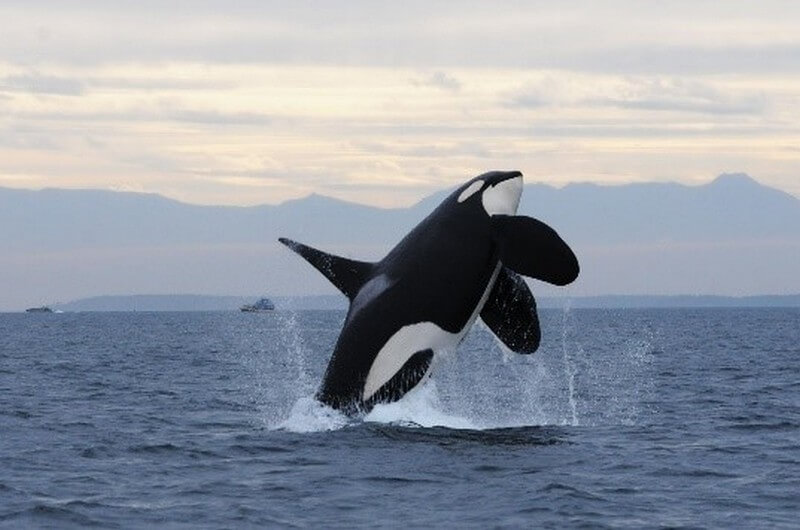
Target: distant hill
733	207
731	236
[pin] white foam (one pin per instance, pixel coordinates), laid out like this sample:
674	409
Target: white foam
309	415
419	408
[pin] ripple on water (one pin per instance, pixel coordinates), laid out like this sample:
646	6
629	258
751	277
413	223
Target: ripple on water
43	514
624	419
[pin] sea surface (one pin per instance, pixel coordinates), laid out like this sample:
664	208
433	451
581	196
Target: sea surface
678	418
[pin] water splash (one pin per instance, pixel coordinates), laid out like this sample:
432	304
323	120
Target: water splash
570	368
591	373
278	362
309	415
606	369
495	388
292	343
419	408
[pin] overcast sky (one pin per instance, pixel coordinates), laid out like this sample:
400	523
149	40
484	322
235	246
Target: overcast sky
385	102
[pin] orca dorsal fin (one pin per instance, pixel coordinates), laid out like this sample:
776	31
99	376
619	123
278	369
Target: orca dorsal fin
347	275
531	248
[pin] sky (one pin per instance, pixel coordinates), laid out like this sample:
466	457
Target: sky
386	102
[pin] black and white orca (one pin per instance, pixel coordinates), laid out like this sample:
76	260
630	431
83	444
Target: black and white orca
463	260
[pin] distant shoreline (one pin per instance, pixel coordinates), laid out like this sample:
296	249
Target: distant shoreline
729	236
233	303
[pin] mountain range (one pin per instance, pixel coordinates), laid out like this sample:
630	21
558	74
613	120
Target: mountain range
732	236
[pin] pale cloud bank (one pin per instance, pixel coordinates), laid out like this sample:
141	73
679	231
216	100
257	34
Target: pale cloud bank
384	103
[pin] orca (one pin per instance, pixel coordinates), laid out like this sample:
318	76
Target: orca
466	259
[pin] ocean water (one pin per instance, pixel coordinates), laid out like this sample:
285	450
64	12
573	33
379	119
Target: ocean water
679	418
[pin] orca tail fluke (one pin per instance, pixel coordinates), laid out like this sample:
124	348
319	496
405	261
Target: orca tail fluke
345	274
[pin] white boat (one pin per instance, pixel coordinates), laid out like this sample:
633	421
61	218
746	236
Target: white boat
43	309
264	304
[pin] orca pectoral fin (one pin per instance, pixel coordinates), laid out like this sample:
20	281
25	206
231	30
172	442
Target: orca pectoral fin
345	274
531	248
510	312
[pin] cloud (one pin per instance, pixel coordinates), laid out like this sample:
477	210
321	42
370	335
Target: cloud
135	83
141	81
35	83
26	136
150	114
616	36
247	182
660	94
527	99
651	93
437	150
440	80
606	91
212	117
550	90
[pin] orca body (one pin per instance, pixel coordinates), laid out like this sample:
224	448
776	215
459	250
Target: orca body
463	260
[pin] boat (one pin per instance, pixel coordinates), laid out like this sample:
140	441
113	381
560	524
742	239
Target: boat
42	309
264	304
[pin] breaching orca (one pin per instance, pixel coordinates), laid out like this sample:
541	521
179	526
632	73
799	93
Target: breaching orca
463	260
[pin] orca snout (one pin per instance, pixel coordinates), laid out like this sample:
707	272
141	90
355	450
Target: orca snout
508	175
493	178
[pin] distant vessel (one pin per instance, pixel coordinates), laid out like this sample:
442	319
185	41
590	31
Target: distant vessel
264	304
43	309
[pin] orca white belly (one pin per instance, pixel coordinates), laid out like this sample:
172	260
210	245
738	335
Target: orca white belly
414	338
